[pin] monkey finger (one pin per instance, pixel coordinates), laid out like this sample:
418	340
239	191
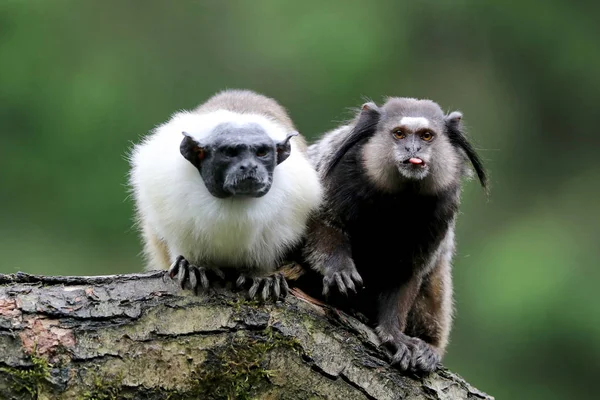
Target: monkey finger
340	283
326	284
348	281
194	279
276	287
357	278
284	285
240	281
203	277
185	273
266	290
218	272
428	358
402	357
254	287
174	268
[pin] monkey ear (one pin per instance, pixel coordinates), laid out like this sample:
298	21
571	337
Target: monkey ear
458	139
454	118
369	106
365	127
191	150
284	148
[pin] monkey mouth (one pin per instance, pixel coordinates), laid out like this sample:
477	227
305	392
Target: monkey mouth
416	161
248	186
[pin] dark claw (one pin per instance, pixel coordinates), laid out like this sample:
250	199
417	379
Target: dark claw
402	357
254	288
185	272
219	273
357	278
340	283
203	278
189	274
174	269
266	291
326	284
277	286
240	281
194	278
348	282
285	289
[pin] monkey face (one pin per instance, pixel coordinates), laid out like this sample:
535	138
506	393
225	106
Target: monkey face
409	139
236	160
413	139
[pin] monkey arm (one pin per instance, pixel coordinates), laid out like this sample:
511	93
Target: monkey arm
328	252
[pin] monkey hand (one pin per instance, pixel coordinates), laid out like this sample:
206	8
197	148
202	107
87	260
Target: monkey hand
409	353
344	276
192	276
272	286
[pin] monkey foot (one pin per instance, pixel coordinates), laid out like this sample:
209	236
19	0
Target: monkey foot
427	358
191	276
410	353
273	286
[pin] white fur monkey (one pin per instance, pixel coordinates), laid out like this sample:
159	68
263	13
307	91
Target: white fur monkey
225	187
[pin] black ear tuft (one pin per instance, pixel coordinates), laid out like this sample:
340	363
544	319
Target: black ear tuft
284	148
191	150
365	128
458	139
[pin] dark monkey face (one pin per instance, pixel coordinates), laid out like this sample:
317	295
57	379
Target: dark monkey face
410	139
236	160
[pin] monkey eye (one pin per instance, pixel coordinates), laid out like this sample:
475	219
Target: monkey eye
263	151
230	151
426	136
398	133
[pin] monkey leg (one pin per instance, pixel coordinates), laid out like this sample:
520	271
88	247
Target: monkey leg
430	318
410	353
272	286
190	275
155	250
328	251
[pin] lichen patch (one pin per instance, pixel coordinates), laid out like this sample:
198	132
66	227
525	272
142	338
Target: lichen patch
10	312
43	336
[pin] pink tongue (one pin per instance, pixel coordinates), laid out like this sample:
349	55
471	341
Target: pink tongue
415	161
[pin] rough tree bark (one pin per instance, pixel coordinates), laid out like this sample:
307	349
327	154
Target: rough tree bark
139	336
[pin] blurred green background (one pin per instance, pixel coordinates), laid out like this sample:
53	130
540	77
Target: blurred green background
81	80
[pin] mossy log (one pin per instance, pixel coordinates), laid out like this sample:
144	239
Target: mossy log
139	336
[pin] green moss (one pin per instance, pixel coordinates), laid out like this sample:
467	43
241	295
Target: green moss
105	388
239	370
29	379
238	303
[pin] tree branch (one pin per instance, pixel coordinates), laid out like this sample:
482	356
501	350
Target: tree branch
139	336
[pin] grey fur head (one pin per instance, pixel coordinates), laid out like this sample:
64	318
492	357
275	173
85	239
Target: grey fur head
411	140
236	160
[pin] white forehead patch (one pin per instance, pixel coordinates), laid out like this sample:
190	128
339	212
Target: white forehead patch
414	123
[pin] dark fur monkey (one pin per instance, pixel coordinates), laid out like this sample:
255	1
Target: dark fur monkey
225	189
392	181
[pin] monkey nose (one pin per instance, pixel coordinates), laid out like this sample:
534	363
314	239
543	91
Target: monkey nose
248	167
